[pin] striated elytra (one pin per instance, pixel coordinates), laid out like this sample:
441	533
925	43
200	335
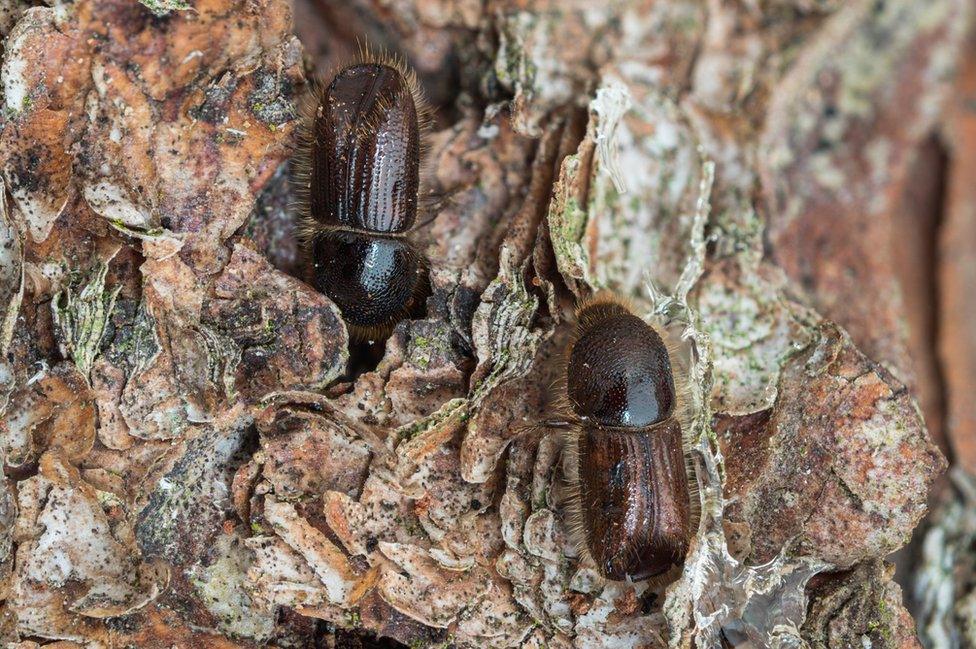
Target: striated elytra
630	502
366	151
362	173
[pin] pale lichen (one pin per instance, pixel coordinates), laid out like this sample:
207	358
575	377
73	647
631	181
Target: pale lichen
163	7
222	586
11	274
718	595
621	204
946	615
81	316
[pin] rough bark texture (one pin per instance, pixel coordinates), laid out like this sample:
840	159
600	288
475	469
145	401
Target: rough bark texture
196	456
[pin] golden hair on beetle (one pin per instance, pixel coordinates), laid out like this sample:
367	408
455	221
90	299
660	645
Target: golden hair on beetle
625	441
308	109
360	179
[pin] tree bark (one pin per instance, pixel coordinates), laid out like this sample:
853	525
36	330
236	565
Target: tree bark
196	453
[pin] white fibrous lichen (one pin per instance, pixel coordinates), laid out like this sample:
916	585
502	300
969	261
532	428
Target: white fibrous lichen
622	204
718	596
611	103
947	617
81	317
11	274
763	605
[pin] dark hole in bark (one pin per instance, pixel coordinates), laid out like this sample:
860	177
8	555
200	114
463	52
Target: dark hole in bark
916	233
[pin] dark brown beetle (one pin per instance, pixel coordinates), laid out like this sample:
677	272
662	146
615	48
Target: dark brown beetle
360	175
629	503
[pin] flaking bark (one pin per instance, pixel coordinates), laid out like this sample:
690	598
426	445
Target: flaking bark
194	455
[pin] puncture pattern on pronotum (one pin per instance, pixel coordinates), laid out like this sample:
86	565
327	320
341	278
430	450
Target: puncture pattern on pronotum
630	499
360	180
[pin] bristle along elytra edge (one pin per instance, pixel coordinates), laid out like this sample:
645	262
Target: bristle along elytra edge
308	107
604	304
398	63
594	308
600	305
574	515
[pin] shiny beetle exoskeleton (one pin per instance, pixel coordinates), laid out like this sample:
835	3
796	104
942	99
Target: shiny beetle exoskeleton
361	175
630	506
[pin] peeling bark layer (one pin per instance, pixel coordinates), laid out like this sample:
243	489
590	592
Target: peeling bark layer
195	454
